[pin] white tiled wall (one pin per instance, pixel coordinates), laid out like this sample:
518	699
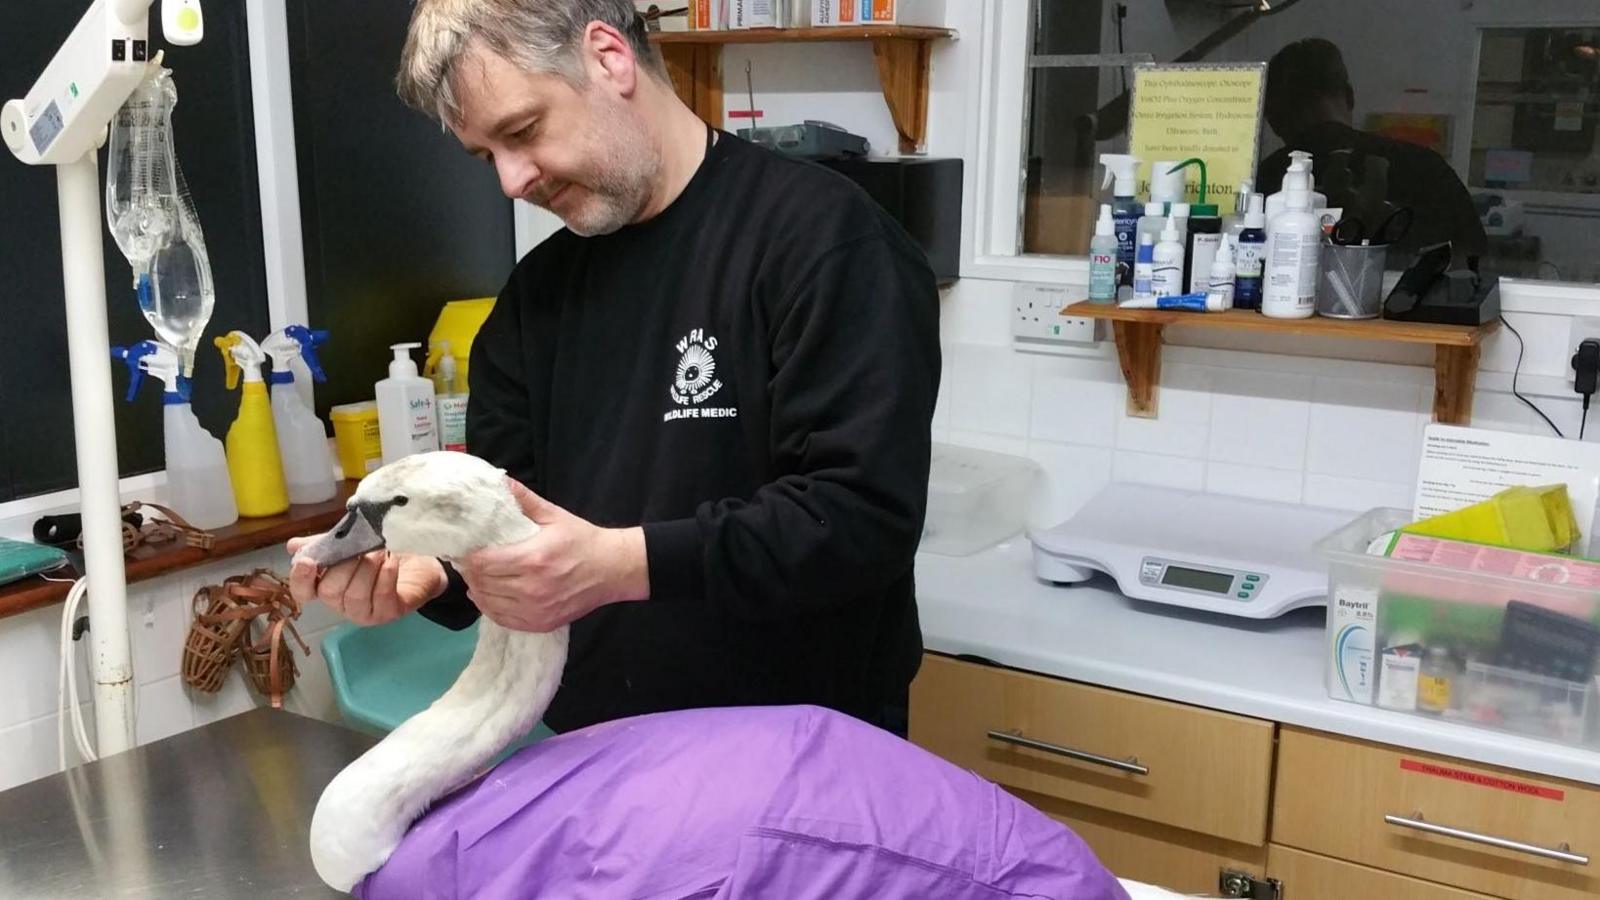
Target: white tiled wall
1324	432
158	616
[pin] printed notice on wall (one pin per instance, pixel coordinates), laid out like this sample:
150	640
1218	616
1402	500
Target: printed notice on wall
1462	466
1208	111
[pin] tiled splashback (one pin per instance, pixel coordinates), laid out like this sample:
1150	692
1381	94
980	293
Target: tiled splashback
158	616
1321	432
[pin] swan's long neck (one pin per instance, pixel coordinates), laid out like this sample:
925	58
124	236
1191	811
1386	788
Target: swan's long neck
498	698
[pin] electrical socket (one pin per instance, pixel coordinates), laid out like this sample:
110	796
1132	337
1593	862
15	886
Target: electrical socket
1037	323
1581	329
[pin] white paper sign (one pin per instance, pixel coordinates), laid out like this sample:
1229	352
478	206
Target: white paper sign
1462	466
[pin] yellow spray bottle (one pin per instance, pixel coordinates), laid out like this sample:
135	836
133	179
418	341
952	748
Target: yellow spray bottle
254	465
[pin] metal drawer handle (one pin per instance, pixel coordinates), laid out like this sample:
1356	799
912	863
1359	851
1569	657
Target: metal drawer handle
1014	736
1562	853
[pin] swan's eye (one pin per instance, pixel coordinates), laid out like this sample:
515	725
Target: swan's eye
401	500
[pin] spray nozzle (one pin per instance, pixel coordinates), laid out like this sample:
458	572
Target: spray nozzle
157	359
240	354
1122	167
291	341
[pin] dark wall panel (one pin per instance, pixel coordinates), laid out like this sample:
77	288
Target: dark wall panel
215	140
397	218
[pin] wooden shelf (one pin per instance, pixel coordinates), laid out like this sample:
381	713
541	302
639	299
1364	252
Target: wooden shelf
243	536
1138	336
902	53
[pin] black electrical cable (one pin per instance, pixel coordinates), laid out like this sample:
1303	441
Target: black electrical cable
1584	422
1521	348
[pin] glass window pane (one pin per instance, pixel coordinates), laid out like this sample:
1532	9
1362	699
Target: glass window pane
1481	124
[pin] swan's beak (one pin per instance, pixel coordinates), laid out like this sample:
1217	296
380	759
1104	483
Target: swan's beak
355	534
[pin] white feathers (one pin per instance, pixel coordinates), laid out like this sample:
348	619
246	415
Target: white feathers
452	505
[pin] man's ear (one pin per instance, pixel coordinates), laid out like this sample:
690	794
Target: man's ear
609	56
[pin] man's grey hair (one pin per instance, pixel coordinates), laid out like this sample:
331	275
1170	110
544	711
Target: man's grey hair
536	35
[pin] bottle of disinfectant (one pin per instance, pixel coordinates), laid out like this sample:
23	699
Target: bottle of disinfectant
1123	170
406	420
450	399
198	487
1103	255
254	462
302	440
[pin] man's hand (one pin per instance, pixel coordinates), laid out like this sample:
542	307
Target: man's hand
371	589
560	574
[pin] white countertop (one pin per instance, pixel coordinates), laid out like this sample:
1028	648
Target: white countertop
991	605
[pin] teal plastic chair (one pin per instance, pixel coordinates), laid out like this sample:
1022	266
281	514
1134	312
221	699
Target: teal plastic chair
385	674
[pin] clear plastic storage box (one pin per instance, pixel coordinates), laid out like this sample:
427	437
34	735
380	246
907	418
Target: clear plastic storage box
1463	632
976	499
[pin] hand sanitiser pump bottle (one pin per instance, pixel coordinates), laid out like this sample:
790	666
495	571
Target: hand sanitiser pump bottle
406	420
1294	251
254	463
198	487
302	440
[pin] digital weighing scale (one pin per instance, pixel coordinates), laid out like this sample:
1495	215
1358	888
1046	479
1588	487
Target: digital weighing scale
1231	555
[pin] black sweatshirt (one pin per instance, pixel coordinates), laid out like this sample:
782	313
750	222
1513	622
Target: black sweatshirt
751	376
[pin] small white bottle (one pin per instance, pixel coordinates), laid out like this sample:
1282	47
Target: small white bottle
1294	254
1151	223
452	400
1167	276
1144	267
406	420
1219	290
1103	259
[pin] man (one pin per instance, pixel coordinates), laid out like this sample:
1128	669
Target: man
1309	103
716	383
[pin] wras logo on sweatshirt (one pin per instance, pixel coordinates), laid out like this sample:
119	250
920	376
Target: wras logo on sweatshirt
695	380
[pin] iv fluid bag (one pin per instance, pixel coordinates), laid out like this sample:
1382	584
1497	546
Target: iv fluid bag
154	222
141	176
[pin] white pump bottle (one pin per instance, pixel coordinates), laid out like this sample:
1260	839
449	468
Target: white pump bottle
406	420
302	439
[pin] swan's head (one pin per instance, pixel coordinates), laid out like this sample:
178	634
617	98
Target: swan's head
441	504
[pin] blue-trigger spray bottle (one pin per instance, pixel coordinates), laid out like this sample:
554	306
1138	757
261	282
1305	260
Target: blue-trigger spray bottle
1123	170
254	464
302	439
198	487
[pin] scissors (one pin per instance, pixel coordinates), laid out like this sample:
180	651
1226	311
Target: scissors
1352	230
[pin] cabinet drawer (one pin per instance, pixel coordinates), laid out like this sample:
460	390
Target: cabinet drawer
1333	795
1141	850
1307	876
1190	768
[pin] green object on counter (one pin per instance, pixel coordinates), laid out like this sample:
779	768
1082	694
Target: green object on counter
19	559
385	674
1439	621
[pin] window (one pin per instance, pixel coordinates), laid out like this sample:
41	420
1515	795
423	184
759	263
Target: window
1481	114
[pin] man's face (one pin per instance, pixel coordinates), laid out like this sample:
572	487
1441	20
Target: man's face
579	152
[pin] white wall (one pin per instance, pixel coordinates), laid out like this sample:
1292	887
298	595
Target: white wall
159	616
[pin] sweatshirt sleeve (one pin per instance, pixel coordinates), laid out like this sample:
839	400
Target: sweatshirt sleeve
855	357
498	429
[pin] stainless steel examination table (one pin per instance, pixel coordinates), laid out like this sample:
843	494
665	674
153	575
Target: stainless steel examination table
220	811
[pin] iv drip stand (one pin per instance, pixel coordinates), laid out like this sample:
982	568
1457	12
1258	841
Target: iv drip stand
62	122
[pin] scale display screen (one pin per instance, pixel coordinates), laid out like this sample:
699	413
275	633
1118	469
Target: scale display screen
1198	579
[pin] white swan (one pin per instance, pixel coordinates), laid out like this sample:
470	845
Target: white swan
447	505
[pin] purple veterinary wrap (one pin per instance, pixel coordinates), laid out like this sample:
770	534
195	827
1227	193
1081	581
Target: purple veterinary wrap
788	803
